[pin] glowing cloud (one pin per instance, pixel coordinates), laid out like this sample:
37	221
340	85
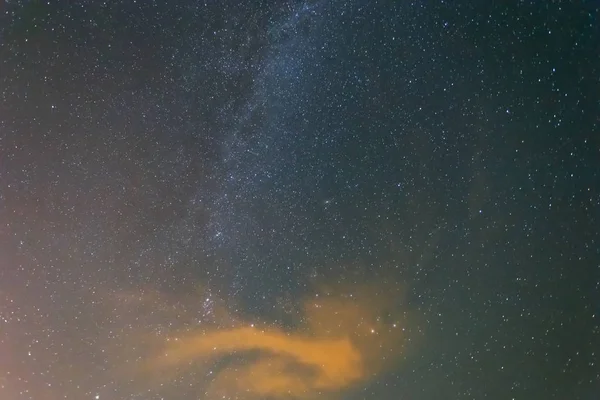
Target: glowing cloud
344	339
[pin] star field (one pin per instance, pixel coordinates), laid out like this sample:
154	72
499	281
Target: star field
299	200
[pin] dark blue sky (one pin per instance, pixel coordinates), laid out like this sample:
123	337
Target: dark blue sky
188	169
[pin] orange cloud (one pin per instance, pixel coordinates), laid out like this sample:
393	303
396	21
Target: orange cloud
328	363
345	337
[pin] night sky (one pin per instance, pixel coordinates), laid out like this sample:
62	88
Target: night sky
298	200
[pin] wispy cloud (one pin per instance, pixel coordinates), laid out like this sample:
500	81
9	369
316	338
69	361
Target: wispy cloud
347	336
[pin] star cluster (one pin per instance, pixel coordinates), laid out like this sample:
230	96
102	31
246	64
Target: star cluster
299	200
